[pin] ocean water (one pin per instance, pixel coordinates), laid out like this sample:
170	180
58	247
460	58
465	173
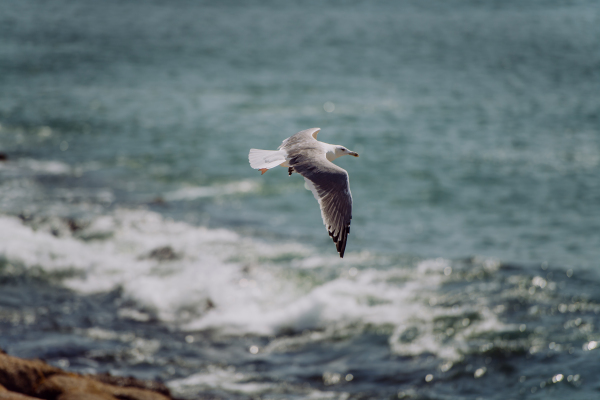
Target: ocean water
136	240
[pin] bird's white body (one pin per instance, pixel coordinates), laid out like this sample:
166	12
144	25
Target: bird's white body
304	154
266	159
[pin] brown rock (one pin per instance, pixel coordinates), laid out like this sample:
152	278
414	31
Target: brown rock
15	396
82	396
20	379
23	376
128	381
63	387
77	387
5	394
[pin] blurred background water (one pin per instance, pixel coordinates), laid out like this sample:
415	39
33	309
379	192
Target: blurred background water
136	239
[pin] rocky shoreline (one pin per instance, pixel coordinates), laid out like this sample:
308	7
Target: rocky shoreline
34	380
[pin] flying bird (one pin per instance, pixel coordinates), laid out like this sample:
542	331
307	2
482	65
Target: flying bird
304	154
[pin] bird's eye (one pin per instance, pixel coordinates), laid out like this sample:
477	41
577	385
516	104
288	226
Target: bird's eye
344	149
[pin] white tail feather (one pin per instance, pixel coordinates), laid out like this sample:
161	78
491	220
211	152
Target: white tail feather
266	158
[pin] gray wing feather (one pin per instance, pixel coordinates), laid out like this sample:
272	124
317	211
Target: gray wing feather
301	138
331	187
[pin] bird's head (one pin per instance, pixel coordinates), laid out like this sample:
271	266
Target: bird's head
342	151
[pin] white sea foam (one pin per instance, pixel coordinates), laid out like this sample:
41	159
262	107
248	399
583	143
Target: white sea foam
215	279
217	378
23	167
241	383
45	167
38	248
192	193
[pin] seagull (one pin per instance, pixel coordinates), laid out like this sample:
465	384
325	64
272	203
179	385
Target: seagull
304	154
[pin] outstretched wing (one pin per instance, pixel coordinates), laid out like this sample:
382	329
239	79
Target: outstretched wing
301	138
330	186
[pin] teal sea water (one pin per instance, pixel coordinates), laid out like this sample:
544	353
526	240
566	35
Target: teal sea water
135	238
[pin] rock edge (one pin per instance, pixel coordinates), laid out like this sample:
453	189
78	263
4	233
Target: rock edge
34	380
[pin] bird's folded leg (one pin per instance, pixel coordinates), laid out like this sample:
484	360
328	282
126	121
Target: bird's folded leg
290	170
263	170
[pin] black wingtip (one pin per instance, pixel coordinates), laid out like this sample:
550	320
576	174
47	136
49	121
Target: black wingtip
340	239
343	247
